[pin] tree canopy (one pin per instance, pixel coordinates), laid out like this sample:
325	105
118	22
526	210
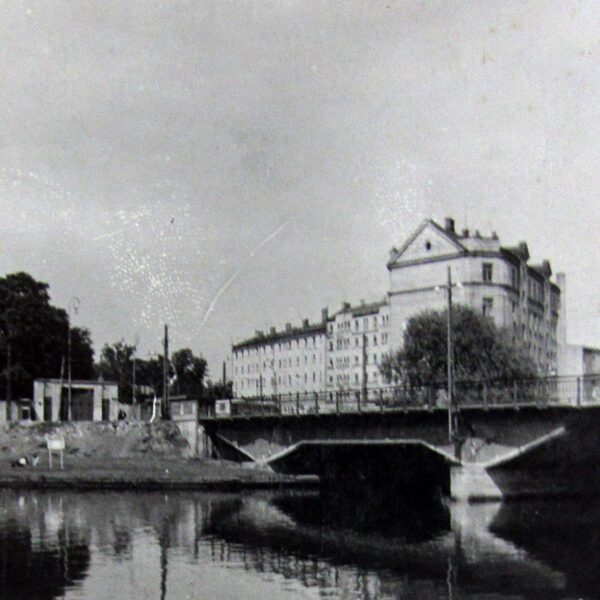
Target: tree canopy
186	371
482	352
189	371
36	333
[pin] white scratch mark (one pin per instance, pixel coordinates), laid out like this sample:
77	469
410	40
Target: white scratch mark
224	287
109	234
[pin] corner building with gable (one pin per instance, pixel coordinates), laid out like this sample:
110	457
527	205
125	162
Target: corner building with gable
343	351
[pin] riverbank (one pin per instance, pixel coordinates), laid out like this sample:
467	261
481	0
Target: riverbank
147	473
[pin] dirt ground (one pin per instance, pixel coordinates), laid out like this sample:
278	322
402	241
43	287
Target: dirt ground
122	454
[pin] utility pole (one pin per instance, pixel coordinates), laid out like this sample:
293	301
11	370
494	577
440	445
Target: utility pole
364	367
450	361
8	377
133	386
74	307
65	417
166	407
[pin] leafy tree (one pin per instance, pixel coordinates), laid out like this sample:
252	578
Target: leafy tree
116	364
190	371
149	372
482	352
36	334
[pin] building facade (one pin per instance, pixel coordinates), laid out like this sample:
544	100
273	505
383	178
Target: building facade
357	340
345	349
488	277
90	400
281	362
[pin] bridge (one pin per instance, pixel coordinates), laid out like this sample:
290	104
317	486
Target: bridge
517	438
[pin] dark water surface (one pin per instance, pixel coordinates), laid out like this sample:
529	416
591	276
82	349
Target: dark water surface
273	545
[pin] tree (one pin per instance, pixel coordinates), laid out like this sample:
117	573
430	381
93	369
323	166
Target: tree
149	372
116	364
482	352
189	371
35	334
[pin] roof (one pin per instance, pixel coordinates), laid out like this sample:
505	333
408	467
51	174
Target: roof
361	309
452	236
65	381
521	251
294	332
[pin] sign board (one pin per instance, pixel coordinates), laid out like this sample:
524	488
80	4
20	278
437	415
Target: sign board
222	408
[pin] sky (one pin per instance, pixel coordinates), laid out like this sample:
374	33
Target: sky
224	167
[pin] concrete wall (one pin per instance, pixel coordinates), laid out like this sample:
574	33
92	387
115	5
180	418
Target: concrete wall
492	432
51	389
574	359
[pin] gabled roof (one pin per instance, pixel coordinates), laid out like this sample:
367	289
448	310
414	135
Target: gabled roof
395	253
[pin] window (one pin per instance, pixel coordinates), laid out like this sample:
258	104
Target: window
514	277
487	272
488	305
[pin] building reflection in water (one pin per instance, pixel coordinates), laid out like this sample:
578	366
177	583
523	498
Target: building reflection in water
264	545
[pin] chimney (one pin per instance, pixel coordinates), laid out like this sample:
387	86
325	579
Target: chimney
305	323
449	225
546	266
477	233
272	331
494	235
288	327
345	305
324	314
258	333
465	233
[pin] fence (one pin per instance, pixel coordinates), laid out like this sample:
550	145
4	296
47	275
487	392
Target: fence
541	392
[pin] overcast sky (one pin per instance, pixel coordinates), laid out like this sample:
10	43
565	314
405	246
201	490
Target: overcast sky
226	166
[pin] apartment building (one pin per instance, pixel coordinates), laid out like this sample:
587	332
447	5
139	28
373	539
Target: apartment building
281	362
357	340
345	349
494	279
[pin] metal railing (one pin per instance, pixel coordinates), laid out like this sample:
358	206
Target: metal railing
540	392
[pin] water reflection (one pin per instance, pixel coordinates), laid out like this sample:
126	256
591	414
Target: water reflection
188	545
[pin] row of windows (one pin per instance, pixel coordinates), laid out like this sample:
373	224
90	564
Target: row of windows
311	342
256	384
346	325
346	379
344	343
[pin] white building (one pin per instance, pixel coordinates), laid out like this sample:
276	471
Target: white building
90	400
344	351
494	279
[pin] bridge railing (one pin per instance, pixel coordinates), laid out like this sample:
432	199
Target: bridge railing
541	392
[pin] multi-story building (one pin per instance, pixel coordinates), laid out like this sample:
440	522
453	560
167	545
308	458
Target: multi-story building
281	362
494	279
357	340
344	350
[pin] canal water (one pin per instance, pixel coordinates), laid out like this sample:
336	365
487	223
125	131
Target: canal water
291	545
